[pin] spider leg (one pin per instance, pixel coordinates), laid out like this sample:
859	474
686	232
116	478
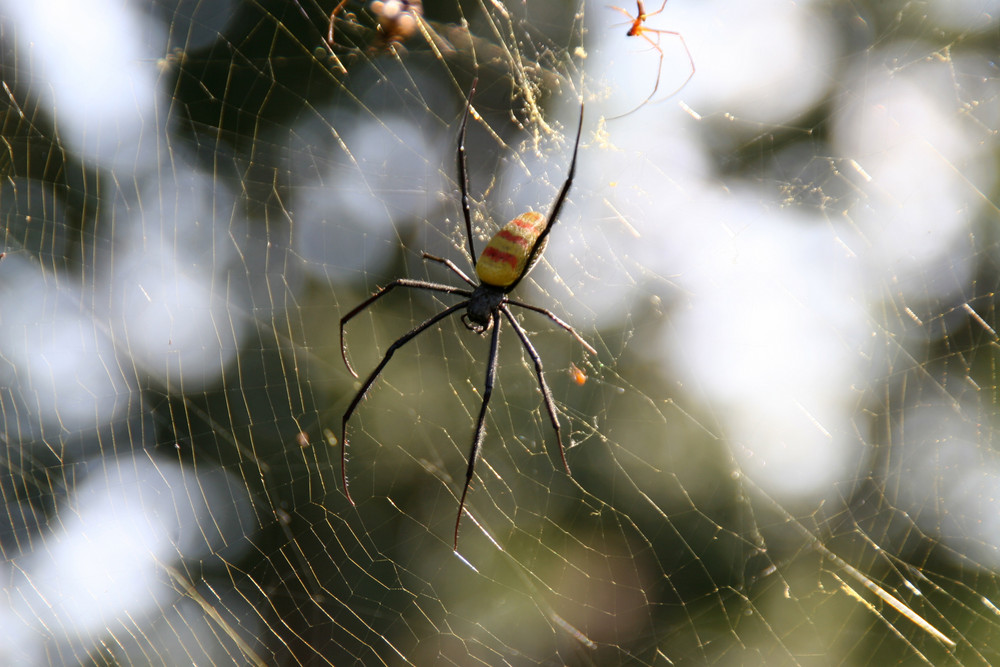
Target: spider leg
556	206
451	265
640	15
546	393
552	316
659	67
639	29
463	176
333	15
400	342
687	51
658	11
477	438
402	282
625	13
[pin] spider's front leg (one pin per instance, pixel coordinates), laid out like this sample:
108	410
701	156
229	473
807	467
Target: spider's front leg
402	282
399	342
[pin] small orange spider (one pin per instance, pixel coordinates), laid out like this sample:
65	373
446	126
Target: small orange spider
638	29
397	19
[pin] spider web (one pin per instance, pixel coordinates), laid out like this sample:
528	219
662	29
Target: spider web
783	453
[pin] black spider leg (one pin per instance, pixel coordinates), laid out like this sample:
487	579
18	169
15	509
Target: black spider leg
463	175
451	265
552	316
477	438
402	282
550	405
400	342
556	207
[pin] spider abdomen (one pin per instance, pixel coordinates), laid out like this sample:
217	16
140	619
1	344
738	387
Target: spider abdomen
505	258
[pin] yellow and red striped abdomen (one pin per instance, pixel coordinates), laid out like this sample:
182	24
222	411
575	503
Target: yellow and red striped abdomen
503	261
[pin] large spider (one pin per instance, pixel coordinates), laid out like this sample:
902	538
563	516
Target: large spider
508	257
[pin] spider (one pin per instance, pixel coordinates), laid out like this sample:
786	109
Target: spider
638	29
506	260
397	19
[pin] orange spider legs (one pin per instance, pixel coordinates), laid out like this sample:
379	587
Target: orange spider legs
637	28
333	15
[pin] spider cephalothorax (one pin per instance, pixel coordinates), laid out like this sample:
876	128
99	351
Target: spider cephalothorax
506	260
484	307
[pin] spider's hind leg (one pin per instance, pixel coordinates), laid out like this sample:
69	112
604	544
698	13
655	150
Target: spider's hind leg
550	404
402	282
477	438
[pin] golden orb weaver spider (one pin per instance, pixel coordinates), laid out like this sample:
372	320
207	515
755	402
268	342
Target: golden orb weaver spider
506	260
